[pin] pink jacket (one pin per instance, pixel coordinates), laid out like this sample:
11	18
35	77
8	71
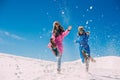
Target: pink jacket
58	40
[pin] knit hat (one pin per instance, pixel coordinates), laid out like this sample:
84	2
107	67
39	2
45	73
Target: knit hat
80	28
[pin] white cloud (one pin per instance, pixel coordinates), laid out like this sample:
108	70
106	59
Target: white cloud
5	33
1	40
16	37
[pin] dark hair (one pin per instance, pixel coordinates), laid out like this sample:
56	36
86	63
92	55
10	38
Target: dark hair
52	42
59	31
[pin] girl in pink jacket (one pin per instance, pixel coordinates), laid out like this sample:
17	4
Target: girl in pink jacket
58	34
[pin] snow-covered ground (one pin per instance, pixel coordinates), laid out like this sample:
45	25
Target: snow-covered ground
21	68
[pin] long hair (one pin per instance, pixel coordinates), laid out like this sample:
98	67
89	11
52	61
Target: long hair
58	31
52	42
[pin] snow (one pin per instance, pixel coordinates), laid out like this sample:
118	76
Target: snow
62	12
21	68
83	15
102	15
91	7
41	37
91	20
108	36
47	13
54	0
87	22
44	29
87	10
76	7
88	27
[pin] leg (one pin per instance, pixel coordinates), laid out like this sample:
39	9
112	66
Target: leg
92	60
86	51
59	62
86	59
84	54
55	51
81	55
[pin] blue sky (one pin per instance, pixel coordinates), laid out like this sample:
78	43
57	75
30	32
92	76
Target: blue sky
25	26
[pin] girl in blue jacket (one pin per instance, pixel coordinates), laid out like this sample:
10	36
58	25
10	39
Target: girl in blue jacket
82	40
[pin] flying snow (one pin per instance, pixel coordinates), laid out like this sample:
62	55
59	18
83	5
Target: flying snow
91	20
83	15
62	12
40	37
54	0
47	13
108	36
102	16
91	7
44	29
87	22
76	7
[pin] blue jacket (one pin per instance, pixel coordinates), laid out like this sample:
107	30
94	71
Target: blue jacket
82	40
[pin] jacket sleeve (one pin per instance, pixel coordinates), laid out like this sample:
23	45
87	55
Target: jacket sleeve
49	45
77	40
65	33
88	35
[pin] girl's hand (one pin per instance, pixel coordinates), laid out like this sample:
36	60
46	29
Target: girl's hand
69	28
88	33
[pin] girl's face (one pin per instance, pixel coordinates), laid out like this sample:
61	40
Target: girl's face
57	25
81	32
